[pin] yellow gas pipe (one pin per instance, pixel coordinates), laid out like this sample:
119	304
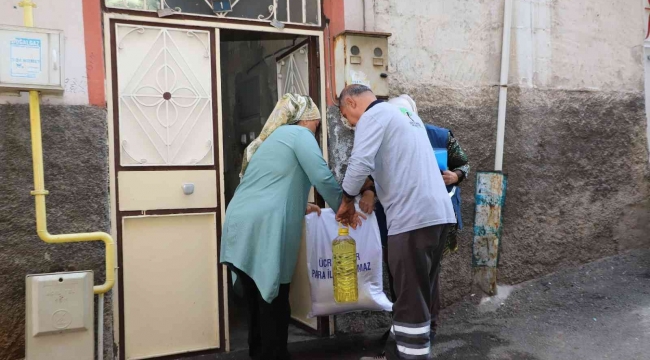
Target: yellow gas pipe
39	183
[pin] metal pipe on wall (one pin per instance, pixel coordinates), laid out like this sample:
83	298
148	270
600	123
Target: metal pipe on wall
363	4
489	197
39	182
503	85
39	195
39	198
100	326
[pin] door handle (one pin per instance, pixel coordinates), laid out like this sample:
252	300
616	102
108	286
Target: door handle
188	189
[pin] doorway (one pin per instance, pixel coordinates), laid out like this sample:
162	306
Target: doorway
166	184
256	70
182	97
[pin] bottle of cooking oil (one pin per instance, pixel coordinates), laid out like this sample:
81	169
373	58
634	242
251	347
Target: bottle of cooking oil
344	264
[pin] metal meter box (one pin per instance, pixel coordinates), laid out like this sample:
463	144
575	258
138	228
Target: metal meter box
31	59
60	317
362	58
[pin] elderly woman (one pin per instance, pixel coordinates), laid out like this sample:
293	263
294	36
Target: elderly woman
263	227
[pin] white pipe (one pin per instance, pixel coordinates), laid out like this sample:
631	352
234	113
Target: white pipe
100	326
363	3
503	85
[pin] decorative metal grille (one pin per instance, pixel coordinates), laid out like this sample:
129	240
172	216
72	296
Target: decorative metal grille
165	97
293	72
303	12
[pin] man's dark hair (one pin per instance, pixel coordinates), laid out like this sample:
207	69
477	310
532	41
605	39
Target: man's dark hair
352	90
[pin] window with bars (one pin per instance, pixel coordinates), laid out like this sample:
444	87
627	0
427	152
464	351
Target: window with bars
301	12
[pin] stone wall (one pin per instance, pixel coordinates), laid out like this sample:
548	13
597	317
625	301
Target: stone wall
76	174
578	178
576	149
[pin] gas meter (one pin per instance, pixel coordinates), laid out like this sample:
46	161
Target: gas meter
31	59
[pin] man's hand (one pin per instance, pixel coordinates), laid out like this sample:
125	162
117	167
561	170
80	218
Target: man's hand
346	212
367	203
450	177
312	208
348	215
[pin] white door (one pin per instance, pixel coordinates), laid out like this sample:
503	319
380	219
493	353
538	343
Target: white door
167	190
293	77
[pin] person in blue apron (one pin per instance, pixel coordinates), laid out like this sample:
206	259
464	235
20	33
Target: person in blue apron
453	172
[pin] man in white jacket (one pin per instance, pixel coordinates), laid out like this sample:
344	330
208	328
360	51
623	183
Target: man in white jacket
395	151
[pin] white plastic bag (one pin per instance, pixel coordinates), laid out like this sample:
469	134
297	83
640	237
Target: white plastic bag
321	230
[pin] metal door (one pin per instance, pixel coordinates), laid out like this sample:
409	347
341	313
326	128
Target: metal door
293	71
167	189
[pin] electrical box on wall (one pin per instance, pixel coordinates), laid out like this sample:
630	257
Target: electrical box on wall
59	316
31	59
362	58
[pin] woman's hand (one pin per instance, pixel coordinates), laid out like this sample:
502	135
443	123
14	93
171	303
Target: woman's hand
357	219
311	208
450	177
367	203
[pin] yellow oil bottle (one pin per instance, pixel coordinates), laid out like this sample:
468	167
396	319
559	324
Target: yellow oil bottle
344	264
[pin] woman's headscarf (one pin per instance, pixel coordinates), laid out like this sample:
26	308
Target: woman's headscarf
289	110
405	102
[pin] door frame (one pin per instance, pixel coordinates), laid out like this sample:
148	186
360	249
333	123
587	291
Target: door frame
318	91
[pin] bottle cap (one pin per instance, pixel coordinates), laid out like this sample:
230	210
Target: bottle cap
343	230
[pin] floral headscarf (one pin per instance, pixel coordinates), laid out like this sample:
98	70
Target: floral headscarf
289	110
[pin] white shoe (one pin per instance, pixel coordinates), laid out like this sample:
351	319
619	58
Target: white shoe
378	357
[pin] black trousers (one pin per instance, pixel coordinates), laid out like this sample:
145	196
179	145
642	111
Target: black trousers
435	301
414	260
268	324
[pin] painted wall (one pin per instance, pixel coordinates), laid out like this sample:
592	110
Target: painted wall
576	118
53	14
555	44
76	168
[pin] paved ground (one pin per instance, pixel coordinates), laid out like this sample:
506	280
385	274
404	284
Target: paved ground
598	311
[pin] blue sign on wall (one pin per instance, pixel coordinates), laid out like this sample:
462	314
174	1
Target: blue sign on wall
25	57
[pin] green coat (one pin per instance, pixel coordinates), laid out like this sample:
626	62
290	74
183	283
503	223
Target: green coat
263	227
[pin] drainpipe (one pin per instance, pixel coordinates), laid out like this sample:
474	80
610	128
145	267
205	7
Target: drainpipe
39	183
503	85
491	186
363	3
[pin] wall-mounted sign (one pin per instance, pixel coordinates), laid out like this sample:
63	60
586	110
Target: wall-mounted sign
31	59
25	56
